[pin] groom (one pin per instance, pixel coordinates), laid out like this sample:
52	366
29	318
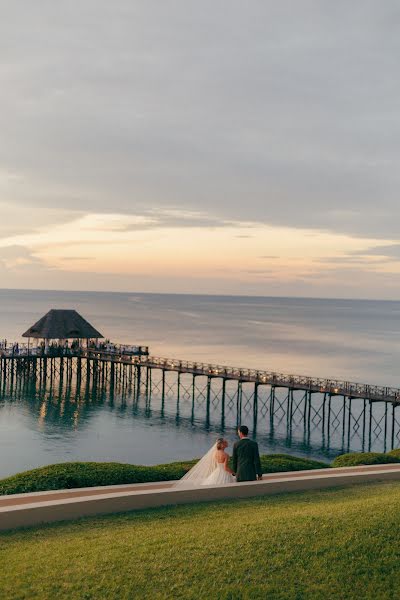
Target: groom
246	458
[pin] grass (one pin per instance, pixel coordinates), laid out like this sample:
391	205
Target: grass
333	544
89	474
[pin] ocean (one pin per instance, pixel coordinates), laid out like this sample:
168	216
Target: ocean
354	340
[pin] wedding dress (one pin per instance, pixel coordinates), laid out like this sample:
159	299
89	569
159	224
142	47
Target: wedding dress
219	476
206	472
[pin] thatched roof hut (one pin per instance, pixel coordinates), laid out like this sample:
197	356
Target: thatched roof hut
62	325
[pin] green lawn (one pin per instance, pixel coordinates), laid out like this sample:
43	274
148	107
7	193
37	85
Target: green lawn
341	544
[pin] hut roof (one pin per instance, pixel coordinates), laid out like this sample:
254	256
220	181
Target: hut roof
62	324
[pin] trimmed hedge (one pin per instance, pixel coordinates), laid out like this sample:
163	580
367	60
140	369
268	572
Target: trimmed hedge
93	474
89	474
279	463
365	458
395	453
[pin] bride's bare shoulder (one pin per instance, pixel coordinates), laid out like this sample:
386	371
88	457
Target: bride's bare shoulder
221	455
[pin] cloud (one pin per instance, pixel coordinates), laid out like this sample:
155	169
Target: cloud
367	258
220	134
362	260
18	220
18	259
73	258
161	253
281	113
175	217
390	251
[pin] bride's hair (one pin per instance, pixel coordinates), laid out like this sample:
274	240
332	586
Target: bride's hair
220	443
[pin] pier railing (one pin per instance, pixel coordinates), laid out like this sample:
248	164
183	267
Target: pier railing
277	379
138	356
58	351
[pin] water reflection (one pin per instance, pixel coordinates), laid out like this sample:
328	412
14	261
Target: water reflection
159	418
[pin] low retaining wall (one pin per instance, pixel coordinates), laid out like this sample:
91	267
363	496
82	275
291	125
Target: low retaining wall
24	510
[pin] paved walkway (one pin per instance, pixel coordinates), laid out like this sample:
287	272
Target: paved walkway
41	507
18	499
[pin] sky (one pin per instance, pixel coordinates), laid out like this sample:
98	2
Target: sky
220	146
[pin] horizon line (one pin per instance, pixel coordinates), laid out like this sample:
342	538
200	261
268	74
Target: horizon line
205	295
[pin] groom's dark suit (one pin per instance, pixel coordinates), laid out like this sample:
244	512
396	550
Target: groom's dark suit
246	460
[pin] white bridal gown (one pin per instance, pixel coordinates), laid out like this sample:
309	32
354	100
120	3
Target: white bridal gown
206	472
219	476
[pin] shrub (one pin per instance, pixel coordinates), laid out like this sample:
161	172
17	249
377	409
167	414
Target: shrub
89	474
278	463
395	453
364	458
93	474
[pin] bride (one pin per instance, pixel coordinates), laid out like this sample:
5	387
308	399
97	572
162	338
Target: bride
212	469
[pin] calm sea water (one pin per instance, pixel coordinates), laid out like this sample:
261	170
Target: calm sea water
353	340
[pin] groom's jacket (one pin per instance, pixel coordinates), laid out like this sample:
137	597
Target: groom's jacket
246	460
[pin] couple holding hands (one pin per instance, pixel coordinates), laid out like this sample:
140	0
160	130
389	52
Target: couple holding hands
213	469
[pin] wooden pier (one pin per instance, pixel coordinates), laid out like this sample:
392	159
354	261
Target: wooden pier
70	366
275	379
332	407
37	359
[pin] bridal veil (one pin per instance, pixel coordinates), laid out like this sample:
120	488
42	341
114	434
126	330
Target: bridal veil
200	471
